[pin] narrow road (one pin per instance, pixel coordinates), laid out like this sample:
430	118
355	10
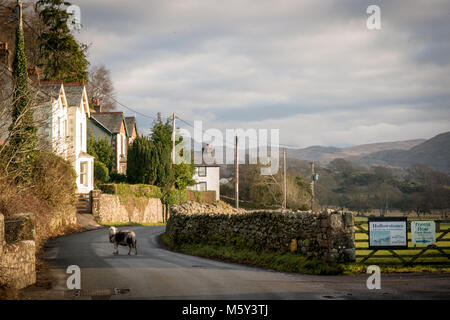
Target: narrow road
156	273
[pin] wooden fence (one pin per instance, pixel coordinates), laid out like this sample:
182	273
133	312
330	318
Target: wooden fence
438	253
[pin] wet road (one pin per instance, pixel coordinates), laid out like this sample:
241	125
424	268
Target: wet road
156	273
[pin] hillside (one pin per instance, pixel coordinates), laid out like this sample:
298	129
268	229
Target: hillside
435	153
354	153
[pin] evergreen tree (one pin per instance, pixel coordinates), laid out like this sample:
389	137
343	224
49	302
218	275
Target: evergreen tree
61	56
162	141
22	130
141	161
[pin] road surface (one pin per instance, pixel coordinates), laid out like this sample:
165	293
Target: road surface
156	273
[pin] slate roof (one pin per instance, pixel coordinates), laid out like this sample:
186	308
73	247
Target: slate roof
74	94
112	121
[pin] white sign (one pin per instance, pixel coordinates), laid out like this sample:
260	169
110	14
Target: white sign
423	233
387	234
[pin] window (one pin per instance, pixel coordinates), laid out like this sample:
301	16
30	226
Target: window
201	186
83	173
202	171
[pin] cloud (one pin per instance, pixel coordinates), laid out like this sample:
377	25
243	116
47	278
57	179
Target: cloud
310	68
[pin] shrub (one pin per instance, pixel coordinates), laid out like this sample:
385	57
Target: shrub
174	196
55	180
118	177
109	188
101	172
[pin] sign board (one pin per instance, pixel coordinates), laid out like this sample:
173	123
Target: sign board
388	233
423	233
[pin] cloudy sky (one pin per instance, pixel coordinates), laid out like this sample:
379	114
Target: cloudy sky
309	68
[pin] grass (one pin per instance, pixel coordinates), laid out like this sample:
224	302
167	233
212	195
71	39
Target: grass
287	262
131	224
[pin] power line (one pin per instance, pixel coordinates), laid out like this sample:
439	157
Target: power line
140	113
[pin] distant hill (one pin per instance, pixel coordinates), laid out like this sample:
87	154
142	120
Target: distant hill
375	147
434	153
354	153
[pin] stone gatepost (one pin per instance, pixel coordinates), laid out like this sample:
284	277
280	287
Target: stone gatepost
95	202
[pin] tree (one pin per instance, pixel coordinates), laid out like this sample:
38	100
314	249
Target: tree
101	172
183	174
100	86
61	56
101	150
162	142
141	159
22	130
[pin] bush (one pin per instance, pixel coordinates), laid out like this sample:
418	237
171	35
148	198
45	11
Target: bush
55	179
117	177
174	196
101	172
109	188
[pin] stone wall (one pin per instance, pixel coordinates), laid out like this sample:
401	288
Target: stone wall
17	255
63	217
109	208
328	235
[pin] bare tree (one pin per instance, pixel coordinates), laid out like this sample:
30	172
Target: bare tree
100	86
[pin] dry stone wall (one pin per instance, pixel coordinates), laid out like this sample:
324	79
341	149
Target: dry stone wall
109	208
17	251
327	235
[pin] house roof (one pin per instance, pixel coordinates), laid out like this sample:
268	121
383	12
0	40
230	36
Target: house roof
111	121
74	93
130	122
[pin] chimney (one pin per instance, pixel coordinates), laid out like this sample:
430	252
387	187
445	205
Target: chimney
33	75
96	104
4	53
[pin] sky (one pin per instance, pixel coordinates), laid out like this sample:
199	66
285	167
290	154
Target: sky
311	69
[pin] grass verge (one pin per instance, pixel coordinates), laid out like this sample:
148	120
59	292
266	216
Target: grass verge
358	268
287	262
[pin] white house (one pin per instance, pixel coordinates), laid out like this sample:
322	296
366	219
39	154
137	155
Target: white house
207	178
62	123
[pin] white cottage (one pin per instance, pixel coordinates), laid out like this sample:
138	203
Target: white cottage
207	178
64	128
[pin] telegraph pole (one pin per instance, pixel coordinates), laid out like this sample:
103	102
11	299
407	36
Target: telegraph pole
312	187
173	138
285	183
236	161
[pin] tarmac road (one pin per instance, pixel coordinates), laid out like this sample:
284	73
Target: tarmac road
156	273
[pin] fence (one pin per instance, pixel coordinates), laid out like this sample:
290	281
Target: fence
438	253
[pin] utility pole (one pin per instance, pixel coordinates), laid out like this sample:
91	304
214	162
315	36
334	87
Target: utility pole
285	183
19	13
236	161
173	138
312	187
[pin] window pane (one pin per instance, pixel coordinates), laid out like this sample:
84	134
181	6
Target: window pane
202	171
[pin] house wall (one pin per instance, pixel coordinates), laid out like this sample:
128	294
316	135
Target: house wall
98	132
78	131
212	180
47	116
